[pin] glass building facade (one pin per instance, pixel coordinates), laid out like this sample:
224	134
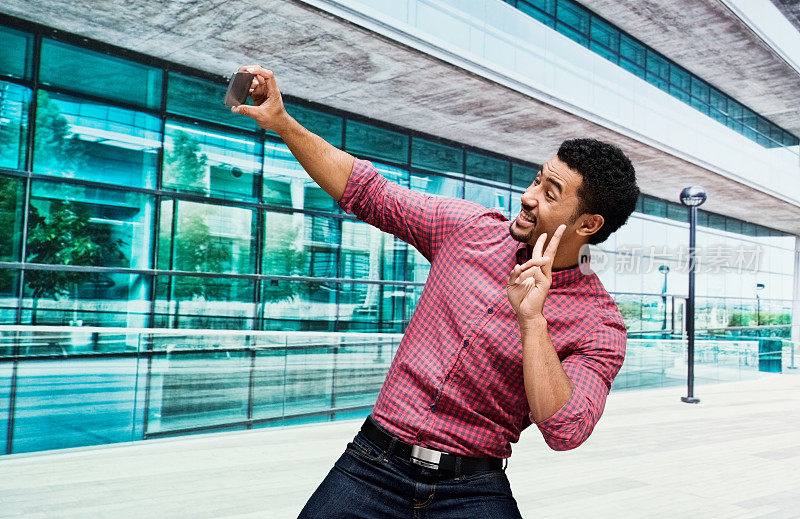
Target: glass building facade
605	39
144	203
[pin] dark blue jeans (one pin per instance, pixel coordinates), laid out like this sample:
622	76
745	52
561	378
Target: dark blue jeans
367	482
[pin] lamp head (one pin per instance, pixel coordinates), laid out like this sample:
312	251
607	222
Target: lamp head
664	269
693	196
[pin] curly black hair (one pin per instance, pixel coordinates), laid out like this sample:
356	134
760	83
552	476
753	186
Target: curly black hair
609	182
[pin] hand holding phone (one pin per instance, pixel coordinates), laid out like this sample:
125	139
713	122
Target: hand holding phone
268	110
238	88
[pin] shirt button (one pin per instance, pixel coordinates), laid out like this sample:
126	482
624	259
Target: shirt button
433	408
466	343
490	310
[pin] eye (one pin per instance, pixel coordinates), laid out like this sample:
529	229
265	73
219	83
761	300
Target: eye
550	195
536	181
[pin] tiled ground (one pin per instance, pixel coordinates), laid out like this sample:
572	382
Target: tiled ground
736	454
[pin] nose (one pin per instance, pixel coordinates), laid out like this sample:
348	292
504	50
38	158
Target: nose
528	198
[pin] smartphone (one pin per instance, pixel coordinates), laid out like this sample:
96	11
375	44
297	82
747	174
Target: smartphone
238	88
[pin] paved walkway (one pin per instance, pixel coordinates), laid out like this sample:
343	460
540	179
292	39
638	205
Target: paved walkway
736	454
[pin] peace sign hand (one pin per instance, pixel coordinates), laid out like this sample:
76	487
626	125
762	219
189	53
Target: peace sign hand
529	283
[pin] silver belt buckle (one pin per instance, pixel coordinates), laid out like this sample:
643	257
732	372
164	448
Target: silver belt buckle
428	458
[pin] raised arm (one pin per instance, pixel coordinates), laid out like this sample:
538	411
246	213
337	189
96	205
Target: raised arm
326	164
422	220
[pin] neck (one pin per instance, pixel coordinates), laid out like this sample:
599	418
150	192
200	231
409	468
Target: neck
567	256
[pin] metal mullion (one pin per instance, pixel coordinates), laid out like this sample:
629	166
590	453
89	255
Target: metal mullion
260	230
156	228
212	124
27	83
100	100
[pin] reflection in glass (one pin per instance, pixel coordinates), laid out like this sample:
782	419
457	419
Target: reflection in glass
287	184
364	253
207	238
327	126
88	72
302	245
73	403
75	225
488	196
298	305
58	298
12	199
16	53
203	302
90	141
522	176
436	157
436	185
483	167
14	102
371	141
371	307
209	162
197	389
200	99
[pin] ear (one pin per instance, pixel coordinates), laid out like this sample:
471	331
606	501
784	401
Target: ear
590	224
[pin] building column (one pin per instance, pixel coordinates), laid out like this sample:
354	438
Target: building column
796	294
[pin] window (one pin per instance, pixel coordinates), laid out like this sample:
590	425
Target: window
12	198
77	225
15	53
206	238
719	105
286	183
496	198
203	302
89	72
210	162
542	10
436	157
573	22
484	167
371	141
92	141
633	56
302	245
327	126
680	83
199	99
657	70
605	40
14	103
522	176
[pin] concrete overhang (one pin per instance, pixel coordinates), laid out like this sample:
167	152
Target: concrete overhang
710	40
326	59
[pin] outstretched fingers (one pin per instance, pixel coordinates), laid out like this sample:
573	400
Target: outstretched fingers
550	252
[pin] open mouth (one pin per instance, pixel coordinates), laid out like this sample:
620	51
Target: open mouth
525	220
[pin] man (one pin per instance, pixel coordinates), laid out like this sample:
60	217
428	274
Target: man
508	330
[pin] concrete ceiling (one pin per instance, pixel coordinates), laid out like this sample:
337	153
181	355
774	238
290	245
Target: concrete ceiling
731	56
320	57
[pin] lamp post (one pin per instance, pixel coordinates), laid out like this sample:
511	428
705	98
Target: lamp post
759	288
692	197
664	269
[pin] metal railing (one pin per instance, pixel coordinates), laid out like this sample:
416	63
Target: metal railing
75	386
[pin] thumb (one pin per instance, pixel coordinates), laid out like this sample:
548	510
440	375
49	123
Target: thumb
244	110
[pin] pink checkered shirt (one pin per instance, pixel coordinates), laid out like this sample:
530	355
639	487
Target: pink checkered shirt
456	382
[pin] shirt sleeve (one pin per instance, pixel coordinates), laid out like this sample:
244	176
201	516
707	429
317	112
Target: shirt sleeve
591	367
422	220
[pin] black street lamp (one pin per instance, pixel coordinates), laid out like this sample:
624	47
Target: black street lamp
692	197
759	288
664	269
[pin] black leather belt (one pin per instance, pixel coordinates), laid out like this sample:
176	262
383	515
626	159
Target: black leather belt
429	458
